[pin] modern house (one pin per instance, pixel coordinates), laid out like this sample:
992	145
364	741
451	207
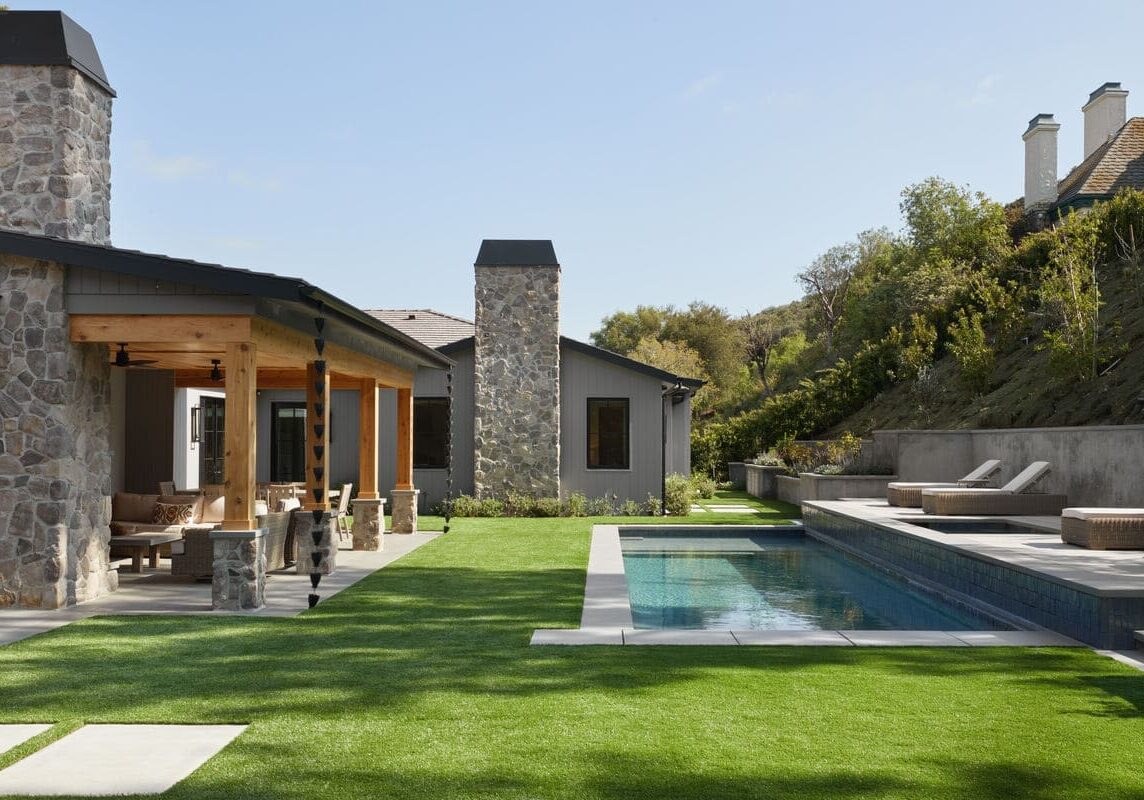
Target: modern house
121	369
1113	158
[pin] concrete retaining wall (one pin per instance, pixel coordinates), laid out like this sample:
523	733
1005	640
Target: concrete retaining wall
760	481
1099	465
836	487
737	473
788	489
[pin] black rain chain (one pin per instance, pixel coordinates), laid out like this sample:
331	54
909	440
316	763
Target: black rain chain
319	470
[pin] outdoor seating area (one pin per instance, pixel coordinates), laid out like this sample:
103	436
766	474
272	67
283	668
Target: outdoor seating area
1013	498
909	494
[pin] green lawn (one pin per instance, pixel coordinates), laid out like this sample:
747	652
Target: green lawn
419	683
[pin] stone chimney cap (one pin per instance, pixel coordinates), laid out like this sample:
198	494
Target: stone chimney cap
1044	121
517	253
35	38
1111	87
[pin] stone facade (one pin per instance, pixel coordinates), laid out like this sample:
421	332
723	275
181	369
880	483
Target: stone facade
369	519
239	582
55	450
516	432
404	513
55	165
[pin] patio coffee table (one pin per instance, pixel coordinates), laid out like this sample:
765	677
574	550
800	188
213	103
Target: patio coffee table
138	542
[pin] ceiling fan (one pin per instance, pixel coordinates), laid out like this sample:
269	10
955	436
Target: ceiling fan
122	359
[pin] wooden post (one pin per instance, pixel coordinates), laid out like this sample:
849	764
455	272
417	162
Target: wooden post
367	444
317	438
404	439
240	423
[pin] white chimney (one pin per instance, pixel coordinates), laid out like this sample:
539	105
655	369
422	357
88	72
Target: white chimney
1104	114
1041	162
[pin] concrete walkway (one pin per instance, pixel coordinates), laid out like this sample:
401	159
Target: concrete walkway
99	760
158	592
12	735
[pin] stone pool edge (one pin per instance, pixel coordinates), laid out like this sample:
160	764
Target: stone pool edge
607	616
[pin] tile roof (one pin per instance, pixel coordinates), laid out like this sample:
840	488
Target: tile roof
1115	165
429	327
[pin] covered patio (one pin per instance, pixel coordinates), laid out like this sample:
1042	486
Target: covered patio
233	331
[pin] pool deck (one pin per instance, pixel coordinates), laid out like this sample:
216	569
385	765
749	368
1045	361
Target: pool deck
607	615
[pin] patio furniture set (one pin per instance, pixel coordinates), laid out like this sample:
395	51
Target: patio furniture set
1093	528
178	525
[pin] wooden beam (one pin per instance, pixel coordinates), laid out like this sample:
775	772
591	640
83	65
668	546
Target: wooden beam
159	328
268	378
241	417
367	444
404	439
317	438
280	340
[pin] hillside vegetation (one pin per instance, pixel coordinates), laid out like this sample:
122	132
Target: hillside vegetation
963	318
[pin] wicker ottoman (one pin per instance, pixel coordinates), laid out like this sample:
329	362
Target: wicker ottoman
1103	528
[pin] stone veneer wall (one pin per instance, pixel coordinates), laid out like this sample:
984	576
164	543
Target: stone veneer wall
55	166
516	434
55	451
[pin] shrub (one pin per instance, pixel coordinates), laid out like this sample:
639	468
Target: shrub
630	508
769	459
829	469
970	349
490	507
652	506
546	507
576	505
678	495
519	505
703	486
465	506
600	507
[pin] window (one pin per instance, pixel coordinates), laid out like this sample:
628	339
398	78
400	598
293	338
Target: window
287	442
430	432
608	433
212	467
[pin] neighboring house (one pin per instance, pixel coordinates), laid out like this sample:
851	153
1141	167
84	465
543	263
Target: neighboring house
1113	158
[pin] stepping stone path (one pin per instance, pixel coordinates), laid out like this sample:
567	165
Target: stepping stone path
12	735
723	509
99	760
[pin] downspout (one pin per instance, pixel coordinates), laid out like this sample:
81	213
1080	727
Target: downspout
663	451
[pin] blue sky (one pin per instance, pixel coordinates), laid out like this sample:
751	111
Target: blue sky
672	151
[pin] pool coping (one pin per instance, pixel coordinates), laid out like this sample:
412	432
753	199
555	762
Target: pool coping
607	615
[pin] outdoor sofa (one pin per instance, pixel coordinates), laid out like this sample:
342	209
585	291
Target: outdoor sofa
1103	528
194	556
1012	498
139	514
909	494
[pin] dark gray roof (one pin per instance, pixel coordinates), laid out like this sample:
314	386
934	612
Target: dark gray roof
212	276
1115	165
517	253
35	38
425	325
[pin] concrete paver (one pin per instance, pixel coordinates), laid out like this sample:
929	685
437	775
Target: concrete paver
100	760
12	735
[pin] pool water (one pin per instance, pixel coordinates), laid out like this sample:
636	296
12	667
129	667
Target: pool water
773	582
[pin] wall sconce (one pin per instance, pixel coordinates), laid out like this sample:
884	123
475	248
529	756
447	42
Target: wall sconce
196	424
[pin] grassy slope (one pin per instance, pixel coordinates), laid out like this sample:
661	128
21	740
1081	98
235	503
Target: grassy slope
1023	392
419	683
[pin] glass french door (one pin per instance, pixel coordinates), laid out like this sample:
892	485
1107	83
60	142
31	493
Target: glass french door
212	466
287	442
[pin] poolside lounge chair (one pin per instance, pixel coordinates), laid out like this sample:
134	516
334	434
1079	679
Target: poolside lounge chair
1012	498
1103	528
909	495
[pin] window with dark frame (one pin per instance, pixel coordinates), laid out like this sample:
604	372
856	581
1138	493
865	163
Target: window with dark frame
608	433
287	442
430	432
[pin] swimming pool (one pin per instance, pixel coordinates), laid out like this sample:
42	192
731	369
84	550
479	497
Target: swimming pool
772	581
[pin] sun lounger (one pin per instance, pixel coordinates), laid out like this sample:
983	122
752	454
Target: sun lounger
909	495
1012	498
1103	528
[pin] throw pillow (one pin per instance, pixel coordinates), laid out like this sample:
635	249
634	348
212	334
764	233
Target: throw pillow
173	514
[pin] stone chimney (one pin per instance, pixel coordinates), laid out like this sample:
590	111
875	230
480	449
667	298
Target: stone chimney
516	429
1040	163
1104	114
55	129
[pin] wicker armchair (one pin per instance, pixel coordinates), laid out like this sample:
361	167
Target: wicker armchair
197	557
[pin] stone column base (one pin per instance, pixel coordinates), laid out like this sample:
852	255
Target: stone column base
369	524
239	581
305	546
404	510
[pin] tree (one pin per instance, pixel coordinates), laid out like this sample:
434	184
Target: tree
676	358
825	281
623	331
763	332
711	332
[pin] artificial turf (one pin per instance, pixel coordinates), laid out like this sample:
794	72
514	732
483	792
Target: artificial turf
419	682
